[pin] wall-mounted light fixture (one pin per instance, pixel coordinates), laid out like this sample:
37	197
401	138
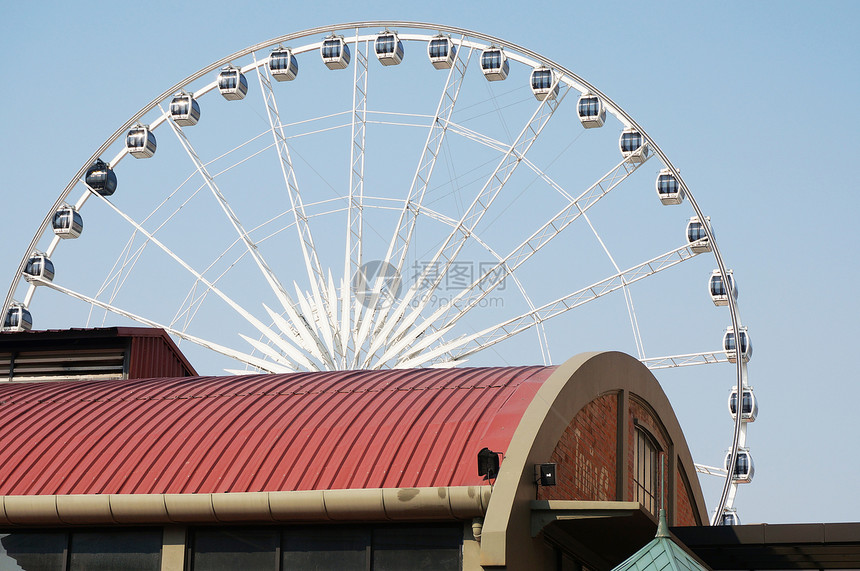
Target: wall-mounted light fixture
545	474
488	463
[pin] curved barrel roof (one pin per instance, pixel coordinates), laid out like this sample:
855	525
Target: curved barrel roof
304	431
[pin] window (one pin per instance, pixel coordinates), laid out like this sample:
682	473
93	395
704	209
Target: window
130	550
630	142
645	479
96	550
695	231
337	548
667	184
331	49
417	549
589	107
439	48
385	45
329	547
491	60
36	551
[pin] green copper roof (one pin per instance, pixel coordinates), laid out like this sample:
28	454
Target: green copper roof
661	553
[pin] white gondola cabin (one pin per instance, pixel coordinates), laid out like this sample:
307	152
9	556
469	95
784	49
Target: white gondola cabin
140	142
388	48
39	268
744	468
730	345
283	65
717	288
591	111
232	83
668	188
335	52
101	178
441	51
494	63
633	145
730	517
67	222
543	83
749	405
184	110
697	237
17	318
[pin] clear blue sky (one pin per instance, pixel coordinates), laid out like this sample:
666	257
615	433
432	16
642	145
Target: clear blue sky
755	102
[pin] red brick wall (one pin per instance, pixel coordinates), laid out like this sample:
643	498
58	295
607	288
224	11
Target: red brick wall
585	457
683	505
585	454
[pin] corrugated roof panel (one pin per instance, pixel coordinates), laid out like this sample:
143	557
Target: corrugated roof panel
351	429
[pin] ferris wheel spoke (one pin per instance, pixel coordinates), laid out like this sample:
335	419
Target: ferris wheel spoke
711	470
355	200
460	234
469	344
303	323
473	294
704	358
193	300
232	353
256	323
325	319
399	244
628	296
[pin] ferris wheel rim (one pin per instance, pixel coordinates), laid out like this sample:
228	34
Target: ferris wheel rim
573	80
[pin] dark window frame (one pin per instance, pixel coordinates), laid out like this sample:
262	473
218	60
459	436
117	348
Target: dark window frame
646	472
375	538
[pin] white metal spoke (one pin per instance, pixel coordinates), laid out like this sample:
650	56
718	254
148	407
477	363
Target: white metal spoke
711	470
304	327
325	320
705	358
628	297
233	354
256	323
458	237
469	344
473	294
403	233
353	255
426	163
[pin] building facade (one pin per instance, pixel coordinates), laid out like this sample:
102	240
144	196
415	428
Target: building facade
342	470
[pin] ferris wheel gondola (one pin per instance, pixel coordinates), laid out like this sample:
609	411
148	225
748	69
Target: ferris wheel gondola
184	110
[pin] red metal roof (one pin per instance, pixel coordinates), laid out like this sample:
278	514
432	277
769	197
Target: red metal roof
305	431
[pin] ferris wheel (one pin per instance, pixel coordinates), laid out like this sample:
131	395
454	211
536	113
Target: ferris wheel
420	195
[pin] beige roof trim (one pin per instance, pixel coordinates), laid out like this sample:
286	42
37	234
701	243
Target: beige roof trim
573	385
377	504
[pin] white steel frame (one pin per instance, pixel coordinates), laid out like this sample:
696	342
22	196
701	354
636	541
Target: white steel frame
326	328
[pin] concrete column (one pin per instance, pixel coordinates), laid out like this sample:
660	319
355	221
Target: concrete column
173	548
